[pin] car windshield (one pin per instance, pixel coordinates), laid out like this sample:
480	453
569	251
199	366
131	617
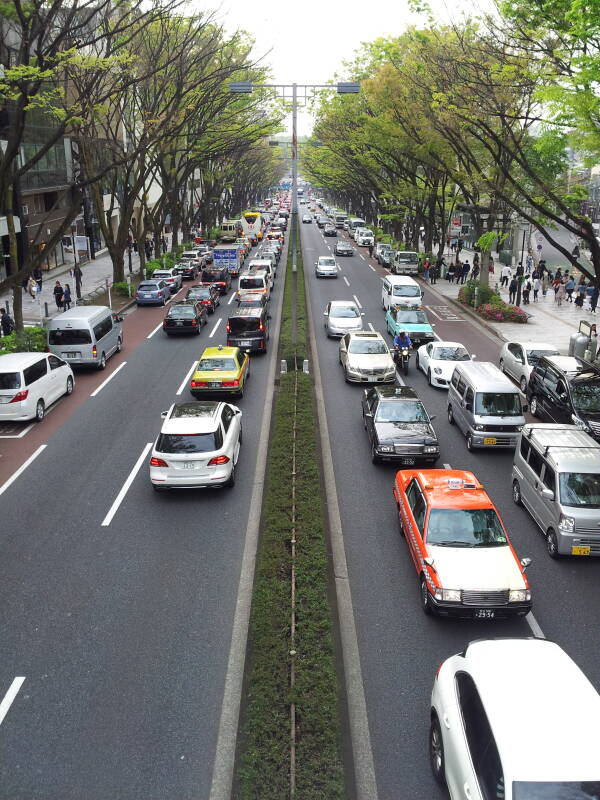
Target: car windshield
217	365
407	291
189	442
250	302
199	294
412	317
327	262
347	312
64	336
372	347
586	395
401	411
533	356
182	311
502	404
450	354
580	489
252	283
10	380
407	256
556	790
456	527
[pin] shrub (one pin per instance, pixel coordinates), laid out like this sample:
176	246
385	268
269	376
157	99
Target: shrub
152	265
121	288
29	340
502	312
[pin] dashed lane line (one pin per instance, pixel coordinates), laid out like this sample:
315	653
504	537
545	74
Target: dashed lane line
110	377
214	330
9	697
346	280
185	381
231	299
22	469
357	301
125	488
151	334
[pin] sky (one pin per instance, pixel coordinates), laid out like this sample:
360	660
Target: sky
307	41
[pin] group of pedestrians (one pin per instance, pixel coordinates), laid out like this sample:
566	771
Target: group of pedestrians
565	287
62	296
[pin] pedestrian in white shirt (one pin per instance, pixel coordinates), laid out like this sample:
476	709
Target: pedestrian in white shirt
505	276
537	285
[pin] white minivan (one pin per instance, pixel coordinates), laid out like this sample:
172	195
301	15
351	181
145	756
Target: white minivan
29	383
400	290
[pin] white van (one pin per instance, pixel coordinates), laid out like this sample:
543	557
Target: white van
355	223
364	237
254	282
29	383
265	265
86	335
400	290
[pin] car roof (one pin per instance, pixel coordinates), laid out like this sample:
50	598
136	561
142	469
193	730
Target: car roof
449	488
365	335
444	343
396	392
567	364
17	361
486	374
568	447
532	345
401	279
219	352
247	311
542	709
192	417
344	303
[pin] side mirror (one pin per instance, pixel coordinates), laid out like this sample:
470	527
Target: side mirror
369	414
362	313
469	406
525	562
433	416
547	494
325	314
164	414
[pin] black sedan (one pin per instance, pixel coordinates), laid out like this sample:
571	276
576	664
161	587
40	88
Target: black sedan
343	248
220	277
398	426
185	317
188	270
206	294
329	230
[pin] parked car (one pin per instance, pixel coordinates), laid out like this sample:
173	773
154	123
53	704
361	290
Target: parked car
170	276
187	316
86	335
380	247
30	383
152	292
518	359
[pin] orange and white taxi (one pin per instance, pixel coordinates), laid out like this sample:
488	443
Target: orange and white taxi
460	549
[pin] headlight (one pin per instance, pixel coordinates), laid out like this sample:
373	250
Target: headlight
581	424
448	595
386	448
437	370
433	448
478	427
519	596
566	524
518	427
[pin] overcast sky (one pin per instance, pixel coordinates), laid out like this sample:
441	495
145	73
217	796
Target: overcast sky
307	41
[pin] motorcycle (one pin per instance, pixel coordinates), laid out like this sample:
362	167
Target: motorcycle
401	358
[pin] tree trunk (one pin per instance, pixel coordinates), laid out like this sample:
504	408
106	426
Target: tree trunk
117	256
18	307
14	264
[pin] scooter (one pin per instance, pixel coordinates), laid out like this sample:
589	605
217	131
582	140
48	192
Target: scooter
401	358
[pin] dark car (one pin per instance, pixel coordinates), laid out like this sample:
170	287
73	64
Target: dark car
321	221
185	317
221	278
329	230
398	426
343	248
207	294
248	328
188	270
565	389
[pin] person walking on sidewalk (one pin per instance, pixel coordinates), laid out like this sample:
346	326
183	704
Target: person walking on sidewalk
38	277
520	270
67	297
78	275
505	276
450	272
594	299
569	288
426	269
560	293
433	274
512	290
526	290
32	287
58	293
7	323
545	284
537	285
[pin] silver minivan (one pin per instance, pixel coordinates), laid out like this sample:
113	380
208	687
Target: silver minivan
485	405
556	476
86	335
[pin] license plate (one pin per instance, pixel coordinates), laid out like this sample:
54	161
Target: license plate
71	355
407	461
245	343
490	440
580	550
214	383
188	465
485	613
178	322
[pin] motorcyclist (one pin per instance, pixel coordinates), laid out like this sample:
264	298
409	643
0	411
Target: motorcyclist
402	341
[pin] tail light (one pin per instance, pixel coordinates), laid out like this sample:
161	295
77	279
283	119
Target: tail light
94	351
194	322
228	328
197	384
214	462
20	396
158	462
261	327
230	383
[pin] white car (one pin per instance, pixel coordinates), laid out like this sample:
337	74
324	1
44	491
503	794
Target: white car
518	359
366	358
307	218
341	317
30	383
514	719
364	237
438	359
326	267
170	276
198	446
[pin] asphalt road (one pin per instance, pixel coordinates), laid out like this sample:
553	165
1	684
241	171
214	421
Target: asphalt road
400	647
122	631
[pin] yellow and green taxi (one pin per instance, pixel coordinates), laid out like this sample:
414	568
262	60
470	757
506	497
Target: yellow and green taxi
222	370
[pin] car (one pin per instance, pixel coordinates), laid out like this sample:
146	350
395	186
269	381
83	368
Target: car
386	258
366	358
364	237
307	219
188	270
205	253
380	247
186	316
398	426
192	255
459	547
343	248
198	446
517	359
326	267
222	370
321	220
329	230
30	383
217	276
412	320
478	749
438	359
170	276
152	292
248	328
341	317
207	294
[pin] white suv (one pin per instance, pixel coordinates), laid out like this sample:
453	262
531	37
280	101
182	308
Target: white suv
170	276
198	446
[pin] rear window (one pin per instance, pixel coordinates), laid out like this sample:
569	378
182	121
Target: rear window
67	336
10	380
147	286
244	324
182	311
407	257
189	442
252	283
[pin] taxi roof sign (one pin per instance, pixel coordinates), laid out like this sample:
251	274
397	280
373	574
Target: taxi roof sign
455	483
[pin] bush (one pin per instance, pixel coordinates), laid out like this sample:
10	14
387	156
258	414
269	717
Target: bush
491	306
29	340
122	288
152	265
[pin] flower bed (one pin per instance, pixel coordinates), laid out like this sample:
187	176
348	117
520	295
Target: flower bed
491	307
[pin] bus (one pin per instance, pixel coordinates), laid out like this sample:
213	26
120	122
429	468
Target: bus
252	225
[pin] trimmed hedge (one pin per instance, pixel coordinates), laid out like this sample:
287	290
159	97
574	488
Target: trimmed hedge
29	340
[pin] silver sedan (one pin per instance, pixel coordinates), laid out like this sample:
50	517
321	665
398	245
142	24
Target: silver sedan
341	317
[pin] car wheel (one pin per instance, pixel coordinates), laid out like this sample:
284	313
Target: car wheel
429	377
69	389
523	384
552	544
436	751
102	362
470	447
424	591
374	457
40	411
417	362
533	406
400	525
158	488
346	378
450	415
516	494
119	345
231	479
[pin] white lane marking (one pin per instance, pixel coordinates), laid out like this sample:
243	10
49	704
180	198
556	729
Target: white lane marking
125	488
447	466
429	308
372	267
21	469
158	327
346	280
17	435
110	377
371	326
534	625
186	379
231	299
339	268
361	255
214	330
357	301
9	697
400	379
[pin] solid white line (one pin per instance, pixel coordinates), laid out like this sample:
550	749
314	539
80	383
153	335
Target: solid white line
158	327
110	377
372	267
21	469
124	489
346	280
361	255
371	326
9	697
212	333
17	435
534	625
186	379
339	268
447	466
231	299
357	301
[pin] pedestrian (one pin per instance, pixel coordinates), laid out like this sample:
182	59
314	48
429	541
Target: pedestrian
32	287
581	292
426	270
520	270
560	293
466	268
135	246
475	272
38	275
433	273
67	297
529	263
450	272
512	290
58	293
558	274
537	285
526	290
370	251
569	288
594	299
78	275
452	246
7	323
490	265
545	284
163	243
505	276
475	260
